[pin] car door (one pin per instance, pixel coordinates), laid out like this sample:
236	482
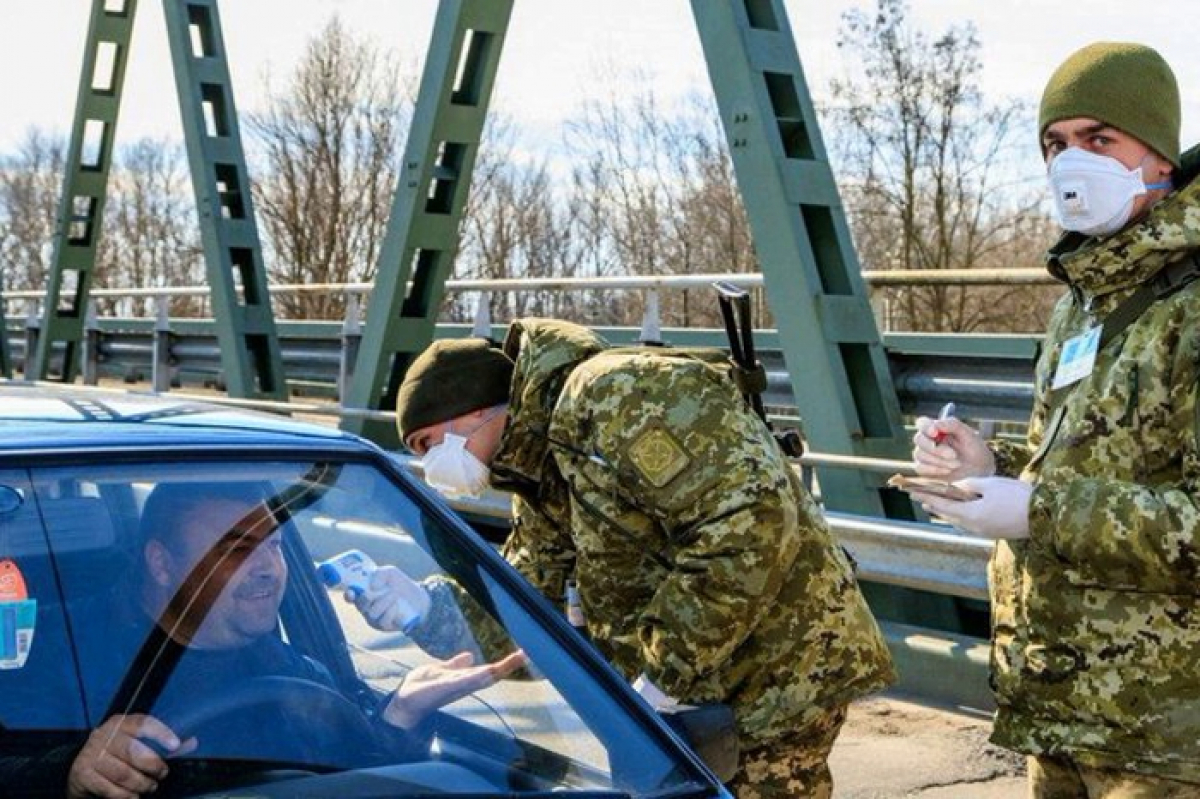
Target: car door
42	715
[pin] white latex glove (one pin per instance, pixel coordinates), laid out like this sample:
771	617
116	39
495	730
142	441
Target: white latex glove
393	600
652	693
950	450
1002	510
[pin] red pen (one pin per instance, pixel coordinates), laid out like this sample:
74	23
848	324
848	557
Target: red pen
946	412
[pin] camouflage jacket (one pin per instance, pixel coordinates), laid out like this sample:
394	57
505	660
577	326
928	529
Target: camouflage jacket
1096	617
699	558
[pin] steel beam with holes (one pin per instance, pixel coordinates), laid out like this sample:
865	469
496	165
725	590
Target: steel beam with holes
422	234
241	305
81	207
832	347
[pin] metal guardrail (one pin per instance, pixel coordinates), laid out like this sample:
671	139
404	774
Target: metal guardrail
929	557
994	384
926	556
989	378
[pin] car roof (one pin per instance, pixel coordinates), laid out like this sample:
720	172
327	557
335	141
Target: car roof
37	417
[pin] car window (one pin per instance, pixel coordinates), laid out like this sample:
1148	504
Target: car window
196	595
39	688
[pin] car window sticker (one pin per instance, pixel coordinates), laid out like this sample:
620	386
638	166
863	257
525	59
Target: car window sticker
18	616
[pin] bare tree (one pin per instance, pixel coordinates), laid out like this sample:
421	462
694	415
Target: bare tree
926	168
329	145
513	226
654	193
30	185
150	236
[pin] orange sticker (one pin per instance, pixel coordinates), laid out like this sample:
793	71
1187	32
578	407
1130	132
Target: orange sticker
12	582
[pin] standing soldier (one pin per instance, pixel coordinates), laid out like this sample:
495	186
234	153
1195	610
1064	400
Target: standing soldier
1095	598
704	570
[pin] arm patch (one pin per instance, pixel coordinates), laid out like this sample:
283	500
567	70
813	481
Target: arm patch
658	456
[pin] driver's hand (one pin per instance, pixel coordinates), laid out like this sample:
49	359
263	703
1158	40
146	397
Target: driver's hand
427	688
393	600
118	763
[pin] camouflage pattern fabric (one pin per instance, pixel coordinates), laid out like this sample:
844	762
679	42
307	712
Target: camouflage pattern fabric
792	767
1057	778
699	558
1096	619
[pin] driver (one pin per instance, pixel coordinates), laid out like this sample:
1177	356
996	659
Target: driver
213	579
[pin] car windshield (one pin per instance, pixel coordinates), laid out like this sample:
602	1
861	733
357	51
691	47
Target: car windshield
215	596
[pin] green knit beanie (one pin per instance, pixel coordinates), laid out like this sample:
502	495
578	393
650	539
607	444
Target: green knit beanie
451	378
1128	86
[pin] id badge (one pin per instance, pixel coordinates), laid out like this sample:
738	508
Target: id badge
1078	358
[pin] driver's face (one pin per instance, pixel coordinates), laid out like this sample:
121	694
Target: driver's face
248	603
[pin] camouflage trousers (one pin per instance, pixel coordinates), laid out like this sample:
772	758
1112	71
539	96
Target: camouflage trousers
1063	778
795	766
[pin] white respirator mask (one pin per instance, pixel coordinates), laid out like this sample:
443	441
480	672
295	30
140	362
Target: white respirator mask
1094	194
452	469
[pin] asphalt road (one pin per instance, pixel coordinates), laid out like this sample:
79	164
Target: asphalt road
894	747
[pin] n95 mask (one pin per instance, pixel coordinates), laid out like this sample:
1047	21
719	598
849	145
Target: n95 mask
1094	194
453	470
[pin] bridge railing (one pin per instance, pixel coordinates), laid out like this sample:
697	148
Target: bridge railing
989	377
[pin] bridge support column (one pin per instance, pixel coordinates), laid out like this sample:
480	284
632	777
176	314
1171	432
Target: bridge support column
422	235
81	207
814	285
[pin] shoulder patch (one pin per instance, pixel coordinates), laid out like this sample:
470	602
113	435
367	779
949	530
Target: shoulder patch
658	456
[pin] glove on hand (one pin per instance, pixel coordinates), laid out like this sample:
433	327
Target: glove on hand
1002	510
393	601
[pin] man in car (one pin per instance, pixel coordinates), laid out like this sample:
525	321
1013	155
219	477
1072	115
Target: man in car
214	578
704	570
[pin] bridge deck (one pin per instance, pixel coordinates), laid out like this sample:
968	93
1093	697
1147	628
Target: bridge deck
894	746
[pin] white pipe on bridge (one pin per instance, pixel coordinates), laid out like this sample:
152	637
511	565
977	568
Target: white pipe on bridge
892	277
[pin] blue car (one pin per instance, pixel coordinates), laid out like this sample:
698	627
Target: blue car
165	622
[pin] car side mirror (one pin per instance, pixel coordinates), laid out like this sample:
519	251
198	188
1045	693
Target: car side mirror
11	499
710	731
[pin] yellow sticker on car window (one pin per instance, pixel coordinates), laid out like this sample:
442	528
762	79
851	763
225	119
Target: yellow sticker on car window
658	457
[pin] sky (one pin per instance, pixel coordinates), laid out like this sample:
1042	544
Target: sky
553	53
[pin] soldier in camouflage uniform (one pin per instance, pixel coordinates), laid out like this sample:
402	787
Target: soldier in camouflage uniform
703	566
1095	589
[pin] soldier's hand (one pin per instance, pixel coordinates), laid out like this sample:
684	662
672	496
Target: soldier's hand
950	450
393	600
1001	512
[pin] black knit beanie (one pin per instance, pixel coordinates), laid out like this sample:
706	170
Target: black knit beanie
451	378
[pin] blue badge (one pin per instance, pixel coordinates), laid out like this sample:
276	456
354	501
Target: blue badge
1078	358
